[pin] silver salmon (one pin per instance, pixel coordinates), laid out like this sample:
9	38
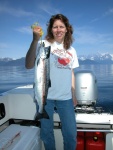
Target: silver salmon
42	80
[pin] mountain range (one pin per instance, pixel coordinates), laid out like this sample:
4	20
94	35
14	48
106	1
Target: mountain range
98	58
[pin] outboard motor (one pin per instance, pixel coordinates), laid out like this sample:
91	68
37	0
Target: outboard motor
86	88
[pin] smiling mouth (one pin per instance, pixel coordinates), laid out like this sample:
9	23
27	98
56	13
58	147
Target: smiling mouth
58	35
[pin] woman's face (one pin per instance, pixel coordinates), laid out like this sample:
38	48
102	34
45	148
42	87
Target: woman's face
59	30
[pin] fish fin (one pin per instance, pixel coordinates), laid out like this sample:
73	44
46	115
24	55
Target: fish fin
37	62
47	50
49	83
41	115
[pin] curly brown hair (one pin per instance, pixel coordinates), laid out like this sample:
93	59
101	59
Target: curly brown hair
68	40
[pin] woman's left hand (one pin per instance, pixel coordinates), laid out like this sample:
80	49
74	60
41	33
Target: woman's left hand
73	89
74	102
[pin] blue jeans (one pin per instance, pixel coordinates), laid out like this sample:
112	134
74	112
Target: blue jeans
66	113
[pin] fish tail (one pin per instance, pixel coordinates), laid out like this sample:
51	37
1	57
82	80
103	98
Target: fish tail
41	115
38	116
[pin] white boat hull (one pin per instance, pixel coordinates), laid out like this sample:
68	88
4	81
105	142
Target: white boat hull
19	105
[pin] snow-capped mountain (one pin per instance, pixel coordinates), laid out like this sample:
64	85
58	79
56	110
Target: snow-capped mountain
98	58
6	59
12	62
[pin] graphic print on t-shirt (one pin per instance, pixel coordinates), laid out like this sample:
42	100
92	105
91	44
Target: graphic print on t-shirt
63	58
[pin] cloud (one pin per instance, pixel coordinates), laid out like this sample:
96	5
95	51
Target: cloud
85	35
3	46
24	30
109	12
88	41
94	20
15	11
49	9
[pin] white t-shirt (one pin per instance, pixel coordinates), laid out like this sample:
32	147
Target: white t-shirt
61	64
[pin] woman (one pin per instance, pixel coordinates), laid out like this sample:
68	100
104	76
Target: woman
61	94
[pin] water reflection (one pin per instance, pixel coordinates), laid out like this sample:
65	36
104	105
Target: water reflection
11	74
14	76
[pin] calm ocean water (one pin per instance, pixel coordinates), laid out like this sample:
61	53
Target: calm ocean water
14	76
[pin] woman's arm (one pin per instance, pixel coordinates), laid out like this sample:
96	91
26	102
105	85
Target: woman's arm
31	54
73	89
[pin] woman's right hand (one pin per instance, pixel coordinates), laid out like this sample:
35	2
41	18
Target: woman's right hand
37	33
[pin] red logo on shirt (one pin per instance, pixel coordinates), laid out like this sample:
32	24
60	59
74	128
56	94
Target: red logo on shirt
64	61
